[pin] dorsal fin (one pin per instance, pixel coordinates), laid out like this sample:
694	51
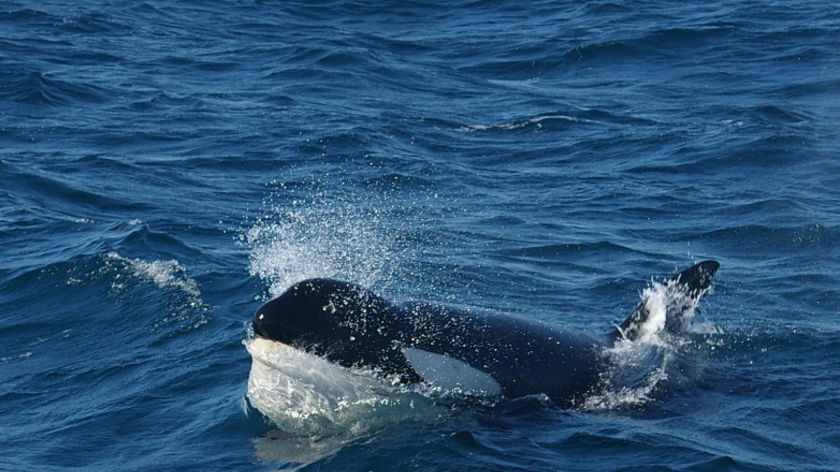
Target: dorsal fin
691	284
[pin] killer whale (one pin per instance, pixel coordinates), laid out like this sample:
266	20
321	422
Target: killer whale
474	352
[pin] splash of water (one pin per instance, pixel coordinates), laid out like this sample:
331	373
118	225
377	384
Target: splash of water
655	298
326	235
318	407
307	395
166	275
188	311
636	370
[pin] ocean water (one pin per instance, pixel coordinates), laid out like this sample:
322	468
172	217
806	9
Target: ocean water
166	167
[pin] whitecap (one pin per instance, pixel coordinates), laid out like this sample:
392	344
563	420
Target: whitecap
165	274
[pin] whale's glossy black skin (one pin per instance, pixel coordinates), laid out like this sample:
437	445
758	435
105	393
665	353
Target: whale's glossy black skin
353	327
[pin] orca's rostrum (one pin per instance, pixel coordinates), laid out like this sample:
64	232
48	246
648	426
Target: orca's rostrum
479	353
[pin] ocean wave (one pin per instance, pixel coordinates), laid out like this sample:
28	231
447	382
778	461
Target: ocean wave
166	275
42	88
564	251
534	123
789	240
399	182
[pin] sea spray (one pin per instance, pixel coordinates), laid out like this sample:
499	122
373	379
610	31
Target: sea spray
657	359
327	234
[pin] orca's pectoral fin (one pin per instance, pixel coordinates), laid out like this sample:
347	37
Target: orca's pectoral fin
690	284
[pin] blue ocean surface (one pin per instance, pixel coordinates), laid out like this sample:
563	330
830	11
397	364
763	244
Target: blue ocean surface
167	167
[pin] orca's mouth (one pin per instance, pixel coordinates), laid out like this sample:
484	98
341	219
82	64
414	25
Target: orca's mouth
259	327
270	332
265	344
282	340
272	353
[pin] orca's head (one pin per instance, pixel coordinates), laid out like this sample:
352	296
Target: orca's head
299	316
326	317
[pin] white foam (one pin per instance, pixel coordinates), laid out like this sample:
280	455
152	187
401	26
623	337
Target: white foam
306	395
636	369
513	125
656	303
166	275
669	303
627	395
